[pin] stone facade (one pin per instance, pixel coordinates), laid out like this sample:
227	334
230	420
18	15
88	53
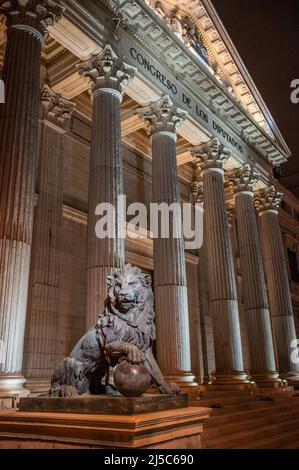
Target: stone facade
219	305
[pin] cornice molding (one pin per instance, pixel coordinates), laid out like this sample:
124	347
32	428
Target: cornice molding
153	33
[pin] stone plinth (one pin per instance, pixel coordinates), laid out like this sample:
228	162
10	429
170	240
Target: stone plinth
179	429
103	404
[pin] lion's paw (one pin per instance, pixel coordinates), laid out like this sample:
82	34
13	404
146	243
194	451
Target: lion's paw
170	388
67	391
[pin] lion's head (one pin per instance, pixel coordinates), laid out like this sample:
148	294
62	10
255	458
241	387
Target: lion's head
129	311
128	288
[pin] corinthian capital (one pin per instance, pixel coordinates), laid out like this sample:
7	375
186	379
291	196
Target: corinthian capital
197	191
243	179
268	199
32	15
210	154
106	70
56	109
163	116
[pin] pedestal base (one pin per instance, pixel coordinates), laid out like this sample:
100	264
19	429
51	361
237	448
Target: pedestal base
179	429
103	404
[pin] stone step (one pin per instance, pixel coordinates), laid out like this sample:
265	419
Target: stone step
224	393
248	424
244	405
244	393
286	440
223	401
236	399
256	405
219	419
248	437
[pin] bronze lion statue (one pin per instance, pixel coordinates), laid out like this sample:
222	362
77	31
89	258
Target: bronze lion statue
125	330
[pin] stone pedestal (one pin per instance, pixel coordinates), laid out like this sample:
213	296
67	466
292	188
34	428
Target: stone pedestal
171	303
177	429
18	149
254	293
106	73
267	202
104	404
220	268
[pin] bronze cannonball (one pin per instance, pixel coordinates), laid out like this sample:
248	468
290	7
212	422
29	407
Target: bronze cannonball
132	380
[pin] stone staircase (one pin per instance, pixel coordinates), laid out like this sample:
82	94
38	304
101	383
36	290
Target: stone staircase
244	420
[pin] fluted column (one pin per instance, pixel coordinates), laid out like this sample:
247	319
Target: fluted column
267	203
43	303
106	73
220	268
27	23
171	303
257	314
197	191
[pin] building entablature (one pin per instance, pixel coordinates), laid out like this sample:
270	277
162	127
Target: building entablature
165	65
154	34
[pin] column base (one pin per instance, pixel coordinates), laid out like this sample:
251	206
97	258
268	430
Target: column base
267	380
185	380
38	385
292	379
11	389
237	381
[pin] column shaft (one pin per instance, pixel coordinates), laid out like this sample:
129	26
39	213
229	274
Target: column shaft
173	345
279	292
43	304
106	74
105	185
222	285
18	148
257	314
205	314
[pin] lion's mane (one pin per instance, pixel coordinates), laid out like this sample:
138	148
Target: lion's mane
137	325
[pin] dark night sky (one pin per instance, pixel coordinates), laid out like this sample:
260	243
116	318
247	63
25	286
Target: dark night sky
266	35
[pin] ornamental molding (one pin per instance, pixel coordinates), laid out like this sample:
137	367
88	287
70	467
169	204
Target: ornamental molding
196	188
243	179
151	31
56	109
32	15
106	71
155	37
268	199
163	116
210	155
